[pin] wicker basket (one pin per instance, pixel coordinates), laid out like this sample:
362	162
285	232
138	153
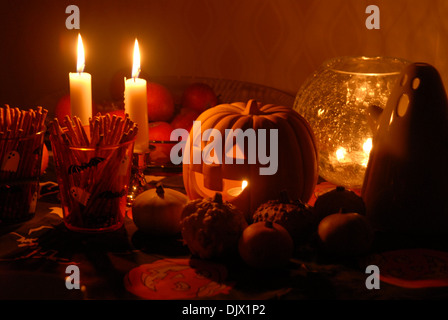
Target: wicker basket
228	91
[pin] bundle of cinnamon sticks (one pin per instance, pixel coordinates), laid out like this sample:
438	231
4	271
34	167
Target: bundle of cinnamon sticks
93	168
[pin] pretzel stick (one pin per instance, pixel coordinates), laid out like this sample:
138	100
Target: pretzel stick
107	121
81	131
2	120
7	117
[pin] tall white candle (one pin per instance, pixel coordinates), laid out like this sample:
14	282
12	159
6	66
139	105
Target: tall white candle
81	88
136	105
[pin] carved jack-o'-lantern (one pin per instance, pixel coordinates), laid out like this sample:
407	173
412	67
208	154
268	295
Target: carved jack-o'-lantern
270	147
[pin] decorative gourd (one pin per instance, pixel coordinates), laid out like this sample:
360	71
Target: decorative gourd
211	228
338	200
296	150
295	216
265	244
157	211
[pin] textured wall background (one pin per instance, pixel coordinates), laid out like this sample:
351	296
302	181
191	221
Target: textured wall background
276	43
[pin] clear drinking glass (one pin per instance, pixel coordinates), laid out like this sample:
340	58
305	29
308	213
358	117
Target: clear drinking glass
93	184
20	166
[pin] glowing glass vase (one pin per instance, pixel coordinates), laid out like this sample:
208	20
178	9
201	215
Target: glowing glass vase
342	101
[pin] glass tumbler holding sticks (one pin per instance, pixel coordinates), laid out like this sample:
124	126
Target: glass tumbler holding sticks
19	176
21	143
93	182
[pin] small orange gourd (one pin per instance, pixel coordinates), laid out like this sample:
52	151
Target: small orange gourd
265	245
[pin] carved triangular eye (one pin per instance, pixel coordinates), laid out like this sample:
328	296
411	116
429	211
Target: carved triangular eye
236	153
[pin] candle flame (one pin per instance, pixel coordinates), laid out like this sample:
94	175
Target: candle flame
81	63
367	146
244	184
340	153
136	61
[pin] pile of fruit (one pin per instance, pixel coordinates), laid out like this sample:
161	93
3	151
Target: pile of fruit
164	115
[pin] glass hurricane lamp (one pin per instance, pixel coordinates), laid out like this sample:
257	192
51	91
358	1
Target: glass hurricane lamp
342	101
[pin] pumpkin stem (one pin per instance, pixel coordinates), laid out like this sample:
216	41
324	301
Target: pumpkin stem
218	198
252	107
269	223
159	190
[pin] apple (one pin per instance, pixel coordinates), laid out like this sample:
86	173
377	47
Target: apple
160	102
184	119
160	131
199	96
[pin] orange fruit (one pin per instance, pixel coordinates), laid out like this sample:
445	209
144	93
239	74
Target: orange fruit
345	234
160	102
265	244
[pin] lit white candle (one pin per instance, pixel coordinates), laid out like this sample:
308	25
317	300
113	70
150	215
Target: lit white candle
355	157
135	101
81	88
235	192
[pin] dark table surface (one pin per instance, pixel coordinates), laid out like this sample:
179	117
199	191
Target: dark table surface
128	265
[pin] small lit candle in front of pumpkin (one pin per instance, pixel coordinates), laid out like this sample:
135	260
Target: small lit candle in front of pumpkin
81	88
235	192
135	101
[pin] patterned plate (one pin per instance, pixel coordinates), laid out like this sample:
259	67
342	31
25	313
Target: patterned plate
177	279
412	268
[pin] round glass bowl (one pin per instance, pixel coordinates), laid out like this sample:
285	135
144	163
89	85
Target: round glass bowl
342	101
